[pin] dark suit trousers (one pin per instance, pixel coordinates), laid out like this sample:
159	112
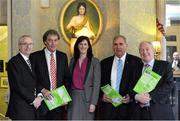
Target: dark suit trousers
109	112
56	114
141	113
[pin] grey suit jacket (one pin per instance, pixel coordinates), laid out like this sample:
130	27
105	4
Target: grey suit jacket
92	79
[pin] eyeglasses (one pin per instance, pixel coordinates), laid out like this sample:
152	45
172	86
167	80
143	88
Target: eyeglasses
27	44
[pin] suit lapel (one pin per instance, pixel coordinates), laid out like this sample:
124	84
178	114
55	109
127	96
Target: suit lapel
124	73
44	65
110	63
156	66
87	69
25	64
59	66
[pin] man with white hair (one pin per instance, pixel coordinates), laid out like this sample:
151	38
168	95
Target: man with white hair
23	101
154	105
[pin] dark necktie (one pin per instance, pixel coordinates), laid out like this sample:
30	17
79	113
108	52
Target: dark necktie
145	67
29	64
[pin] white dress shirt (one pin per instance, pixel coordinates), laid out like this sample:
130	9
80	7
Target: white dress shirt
150	63
114	69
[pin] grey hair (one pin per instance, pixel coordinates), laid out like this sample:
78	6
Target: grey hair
23	37
148	42
119	36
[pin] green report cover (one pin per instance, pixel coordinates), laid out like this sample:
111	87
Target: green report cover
60	97
113	94
147	81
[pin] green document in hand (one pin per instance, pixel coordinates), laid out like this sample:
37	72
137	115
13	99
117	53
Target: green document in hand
113	94
147	81
59	97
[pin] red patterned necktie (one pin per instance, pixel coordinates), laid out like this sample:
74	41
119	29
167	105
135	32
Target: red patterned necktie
53	71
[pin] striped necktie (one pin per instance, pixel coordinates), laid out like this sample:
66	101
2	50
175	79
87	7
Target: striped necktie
29	64
53	71
146	66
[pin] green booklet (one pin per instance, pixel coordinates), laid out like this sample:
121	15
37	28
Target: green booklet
59	96
147	81
113	94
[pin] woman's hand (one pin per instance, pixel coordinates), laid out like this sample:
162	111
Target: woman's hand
92	108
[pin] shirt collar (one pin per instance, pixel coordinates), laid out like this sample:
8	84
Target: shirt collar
48	52
151	63
122	58
25	57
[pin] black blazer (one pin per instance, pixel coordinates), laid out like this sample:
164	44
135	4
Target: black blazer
160	108
39	64
22	89
127	77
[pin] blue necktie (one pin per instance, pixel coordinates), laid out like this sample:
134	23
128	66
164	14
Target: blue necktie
119	75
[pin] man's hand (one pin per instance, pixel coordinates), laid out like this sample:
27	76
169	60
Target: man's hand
126	99
46	93
37	102
106	99
92	108
143	98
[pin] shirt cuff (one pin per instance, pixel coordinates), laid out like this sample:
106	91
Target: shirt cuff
40	95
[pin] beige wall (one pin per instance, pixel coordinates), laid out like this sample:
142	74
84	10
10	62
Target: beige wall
136	19
29	18
137	22
174	30
133	18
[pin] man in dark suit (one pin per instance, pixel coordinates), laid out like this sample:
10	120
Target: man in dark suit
22	83
176	61
109	75
51	68
154	105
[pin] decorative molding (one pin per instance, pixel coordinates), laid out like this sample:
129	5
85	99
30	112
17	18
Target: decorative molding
3	12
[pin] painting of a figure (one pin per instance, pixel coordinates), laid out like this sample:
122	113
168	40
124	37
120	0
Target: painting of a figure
80	18
80	25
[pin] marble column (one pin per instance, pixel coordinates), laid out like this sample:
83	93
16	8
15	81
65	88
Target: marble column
160	13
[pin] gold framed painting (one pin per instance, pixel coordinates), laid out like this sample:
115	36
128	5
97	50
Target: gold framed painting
4	82
80	18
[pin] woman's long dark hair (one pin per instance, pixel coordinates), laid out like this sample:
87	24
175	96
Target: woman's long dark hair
81	4
76	49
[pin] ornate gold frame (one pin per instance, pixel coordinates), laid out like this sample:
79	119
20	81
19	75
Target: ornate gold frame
62	22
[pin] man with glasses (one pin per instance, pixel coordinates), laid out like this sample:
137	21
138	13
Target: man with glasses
23	101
